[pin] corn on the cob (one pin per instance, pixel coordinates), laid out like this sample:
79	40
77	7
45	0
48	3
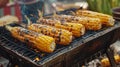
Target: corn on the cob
105	19
61	36
89	23
8	19
39	41
76	29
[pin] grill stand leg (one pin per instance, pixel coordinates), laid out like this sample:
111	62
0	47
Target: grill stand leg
11	64
14	64
110	56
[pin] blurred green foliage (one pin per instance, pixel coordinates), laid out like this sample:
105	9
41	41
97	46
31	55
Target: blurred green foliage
103	6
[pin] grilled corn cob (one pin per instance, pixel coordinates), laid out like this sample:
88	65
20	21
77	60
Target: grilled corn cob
8	19
105	19
38	41
61	36
76	29
89	23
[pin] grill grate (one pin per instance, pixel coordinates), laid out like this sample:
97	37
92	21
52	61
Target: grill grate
7	41
23	49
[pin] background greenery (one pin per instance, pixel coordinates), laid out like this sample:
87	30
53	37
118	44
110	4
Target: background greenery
103	6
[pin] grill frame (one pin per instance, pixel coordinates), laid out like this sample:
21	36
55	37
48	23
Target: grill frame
63	57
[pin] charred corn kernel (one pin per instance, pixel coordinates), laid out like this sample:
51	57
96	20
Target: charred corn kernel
39	41
89	23
76	28
61	36
105	19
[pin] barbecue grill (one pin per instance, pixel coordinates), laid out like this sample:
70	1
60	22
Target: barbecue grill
64	56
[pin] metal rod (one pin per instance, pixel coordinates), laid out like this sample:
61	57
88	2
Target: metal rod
110	56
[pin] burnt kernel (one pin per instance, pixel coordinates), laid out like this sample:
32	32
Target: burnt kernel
48	33
45	31
41	31
53	24
26	40
20	34
88	13
71	25
59	39
60	35
77	20
88	21
70	29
